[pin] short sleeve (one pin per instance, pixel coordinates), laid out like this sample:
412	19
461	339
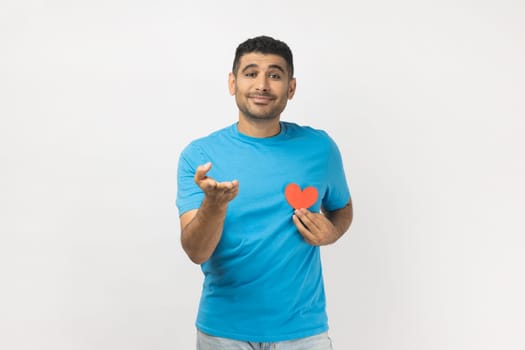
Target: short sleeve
189	195
338	193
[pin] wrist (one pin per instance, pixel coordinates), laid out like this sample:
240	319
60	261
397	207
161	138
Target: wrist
214	206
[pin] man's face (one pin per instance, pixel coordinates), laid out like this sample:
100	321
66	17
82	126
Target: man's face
261	86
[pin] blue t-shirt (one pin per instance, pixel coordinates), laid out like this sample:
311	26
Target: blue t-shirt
264	283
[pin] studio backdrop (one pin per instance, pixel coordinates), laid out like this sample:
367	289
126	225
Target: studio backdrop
424	98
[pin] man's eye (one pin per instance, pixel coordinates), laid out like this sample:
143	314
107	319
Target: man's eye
250	75
275	76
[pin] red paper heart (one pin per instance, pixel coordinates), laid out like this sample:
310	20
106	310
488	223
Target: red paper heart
300	199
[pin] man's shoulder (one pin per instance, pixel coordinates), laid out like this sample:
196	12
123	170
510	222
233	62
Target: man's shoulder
309	136
305	131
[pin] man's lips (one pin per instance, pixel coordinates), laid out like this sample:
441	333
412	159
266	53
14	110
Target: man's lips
261	98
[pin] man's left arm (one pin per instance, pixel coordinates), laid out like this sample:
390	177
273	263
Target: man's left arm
326	228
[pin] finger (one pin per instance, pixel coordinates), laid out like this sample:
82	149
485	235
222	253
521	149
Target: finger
224	186
300	221
299	224
308	219
303	230
232	195
228	186
234	190
200	173
207	184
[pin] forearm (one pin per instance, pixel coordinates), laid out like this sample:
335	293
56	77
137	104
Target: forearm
202	234
341	218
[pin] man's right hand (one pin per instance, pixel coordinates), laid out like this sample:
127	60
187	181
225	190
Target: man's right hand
215	192
201	228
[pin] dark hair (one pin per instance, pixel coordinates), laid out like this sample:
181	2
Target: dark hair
265	45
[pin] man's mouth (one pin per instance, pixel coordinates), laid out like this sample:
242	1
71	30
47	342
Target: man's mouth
261	98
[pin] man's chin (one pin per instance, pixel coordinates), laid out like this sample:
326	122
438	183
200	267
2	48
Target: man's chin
262	117
260	114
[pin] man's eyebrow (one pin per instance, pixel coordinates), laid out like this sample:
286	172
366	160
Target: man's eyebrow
253	65
276	66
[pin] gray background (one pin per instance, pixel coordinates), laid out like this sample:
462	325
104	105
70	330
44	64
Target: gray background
425	99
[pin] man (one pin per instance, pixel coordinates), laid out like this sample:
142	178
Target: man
256	200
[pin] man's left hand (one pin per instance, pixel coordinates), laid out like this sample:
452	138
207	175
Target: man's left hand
315	228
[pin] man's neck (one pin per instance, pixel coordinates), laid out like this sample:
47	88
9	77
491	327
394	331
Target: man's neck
259	128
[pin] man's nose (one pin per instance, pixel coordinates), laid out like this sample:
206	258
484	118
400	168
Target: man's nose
262	83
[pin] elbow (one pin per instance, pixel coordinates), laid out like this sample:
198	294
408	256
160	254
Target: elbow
349	222
195	255
198	259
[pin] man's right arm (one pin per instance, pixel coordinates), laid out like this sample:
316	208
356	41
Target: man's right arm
201	229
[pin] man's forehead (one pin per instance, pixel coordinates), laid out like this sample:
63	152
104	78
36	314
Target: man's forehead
262	60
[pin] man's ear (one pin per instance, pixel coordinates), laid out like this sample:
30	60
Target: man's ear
231	83
291	88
